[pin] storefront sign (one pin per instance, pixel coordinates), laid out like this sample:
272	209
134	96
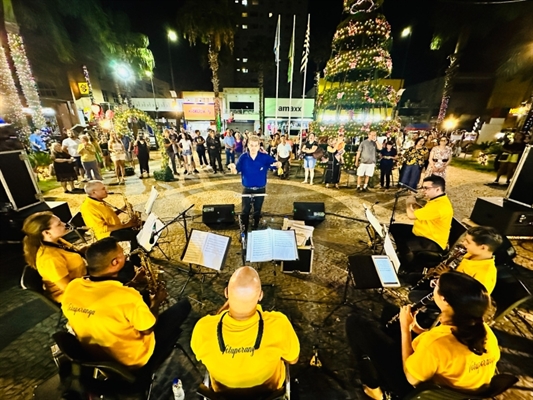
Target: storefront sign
286	107
199	112
84	88
163	104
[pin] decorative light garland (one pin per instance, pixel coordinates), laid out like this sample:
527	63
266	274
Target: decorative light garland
363	95
8	90
371	60
361	6
377	30
26	79
88	81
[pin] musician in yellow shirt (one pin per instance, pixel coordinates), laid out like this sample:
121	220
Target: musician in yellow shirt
244	347
57	263
460	353
432	223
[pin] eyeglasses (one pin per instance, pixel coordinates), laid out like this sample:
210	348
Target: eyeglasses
426	187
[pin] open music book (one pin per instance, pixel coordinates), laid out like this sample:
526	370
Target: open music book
206	249
303	231
270	244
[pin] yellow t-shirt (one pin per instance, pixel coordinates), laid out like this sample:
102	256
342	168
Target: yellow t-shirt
241	366
87	152
54	264
483	270
108	318
98	216
434	220
440	357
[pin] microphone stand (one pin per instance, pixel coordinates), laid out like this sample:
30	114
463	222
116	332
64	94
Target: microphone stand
396	198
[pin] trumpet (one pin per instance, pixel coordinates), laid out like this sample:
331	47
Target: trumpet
452	262
419	306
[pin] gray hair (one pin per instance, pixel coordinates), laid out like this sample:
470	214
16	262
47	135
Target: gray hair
89	186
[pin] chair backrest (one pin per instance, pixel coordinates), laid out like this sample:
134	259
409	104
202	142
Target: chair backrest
31	280
508	293
77	221
456	231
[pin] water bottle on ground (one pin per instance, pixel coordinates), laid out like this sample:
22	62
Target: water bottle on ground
177	389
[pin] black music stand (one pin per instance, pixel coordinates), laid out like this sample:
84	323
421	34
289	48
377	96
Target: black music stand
183	223
200	243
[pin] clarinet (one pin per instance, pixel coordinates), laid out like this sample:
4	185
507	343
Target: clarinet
420	306
452	262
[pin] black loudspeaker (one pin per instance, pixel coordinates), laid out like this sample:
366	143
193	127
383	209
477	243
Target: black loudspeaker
129	171
18	185
509	218
60	209
521	188
218	214
312	213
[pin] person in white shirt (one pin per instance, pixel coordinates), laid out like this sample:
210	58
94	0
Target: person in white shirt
70	145
284	156
186	151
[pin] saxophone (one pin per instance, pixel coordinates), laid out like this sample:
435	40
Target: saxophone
153	284
132	214
452	262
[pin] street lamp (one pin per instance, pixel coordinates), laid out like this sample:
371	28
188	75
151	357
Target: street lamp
150	75
450	123
406	33
123	72
171	37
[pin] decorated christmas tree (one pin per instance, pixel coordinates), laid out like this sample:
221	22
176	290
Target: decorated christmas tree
354	97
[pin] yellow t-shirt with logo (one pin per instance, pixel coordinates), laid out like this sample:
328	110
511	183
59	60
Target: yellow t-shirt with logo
241	366
98	216
483	271
434	220
438	356
108	319
54	264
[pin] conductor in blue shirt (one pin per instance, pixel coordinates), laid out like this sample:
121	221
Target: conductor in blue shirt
253	167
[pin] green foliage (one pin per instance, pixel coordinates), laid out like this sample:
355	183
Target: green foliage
39	159
45	185
164	175
473	165
487	147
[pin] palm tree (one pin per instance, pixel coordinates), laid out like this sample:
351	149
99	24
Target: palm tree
213	23
261	60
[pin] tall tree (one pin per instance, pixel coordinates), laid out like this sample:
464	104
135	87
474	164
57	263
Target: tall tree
213	23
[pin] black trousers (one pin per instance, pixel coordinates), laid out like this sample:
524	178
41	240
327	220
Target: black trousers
247	206
378	355
408	244
143	164
286	165
202	157
167	332
386	172
172	157
214	158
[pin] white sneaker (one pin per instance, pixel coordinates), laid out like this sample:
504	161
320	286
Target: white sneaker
304	182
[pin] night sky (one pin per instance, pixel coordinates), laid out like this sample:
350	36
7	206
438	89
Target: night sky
190	66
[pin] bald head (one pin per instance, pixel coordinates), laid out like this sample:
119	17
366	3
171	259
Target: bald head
244	292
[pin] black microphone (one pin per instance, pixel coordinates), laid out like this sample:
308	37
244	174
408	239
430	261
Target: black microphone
403	185
152	235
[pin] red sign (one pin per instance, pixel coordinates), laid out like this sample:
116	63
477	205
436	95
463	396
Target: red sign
199	112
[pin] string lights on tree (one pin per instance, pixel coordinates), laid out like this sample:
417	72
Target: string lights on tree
354	99
25	77
12	107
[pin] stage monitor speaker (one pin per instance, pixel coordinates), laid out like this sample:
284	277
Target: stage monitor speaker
218	214
521	188
18	185
312	213
509	218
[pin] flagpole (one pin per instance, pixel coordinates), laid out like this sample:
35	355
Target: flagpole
292	76
305	74
278	41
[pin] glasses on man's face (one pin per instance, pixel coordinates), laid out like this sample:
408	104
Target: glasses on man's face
426	187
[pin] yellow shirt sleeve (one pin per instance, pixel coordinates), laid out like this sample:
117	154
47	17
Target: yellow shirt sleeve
197	339
140	316
291	349
52	268
422	364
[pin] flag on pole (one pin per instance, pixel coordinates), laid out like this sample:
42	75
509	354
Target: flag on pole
291	60
277	39
307	43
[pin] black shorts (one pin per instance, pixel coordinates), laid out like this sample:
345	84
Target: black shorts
77	162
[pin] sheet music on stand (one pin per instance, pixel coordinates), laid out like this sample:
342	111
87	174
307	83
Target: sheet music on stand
207	249
150	233
303	232
271	244
372	219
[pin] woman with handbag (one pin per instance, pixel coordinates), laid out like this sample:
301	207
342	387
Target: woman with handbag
308	150
142	152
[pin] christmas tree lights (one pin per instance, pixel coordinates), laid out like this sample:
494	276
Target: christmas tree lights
354	100
11	105
26	80
88	81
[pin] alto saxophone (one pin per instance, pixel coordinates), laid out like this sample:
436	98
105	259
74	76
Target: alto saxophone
132	214
452	262
153	282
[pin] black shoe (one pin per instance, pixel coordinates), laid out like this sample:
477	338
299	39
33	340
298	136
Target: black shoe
359	188
214	172
365	189
196	171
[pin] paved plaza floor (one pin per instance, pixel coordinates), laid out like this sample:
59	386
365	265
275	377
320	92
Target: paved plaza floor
311	301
